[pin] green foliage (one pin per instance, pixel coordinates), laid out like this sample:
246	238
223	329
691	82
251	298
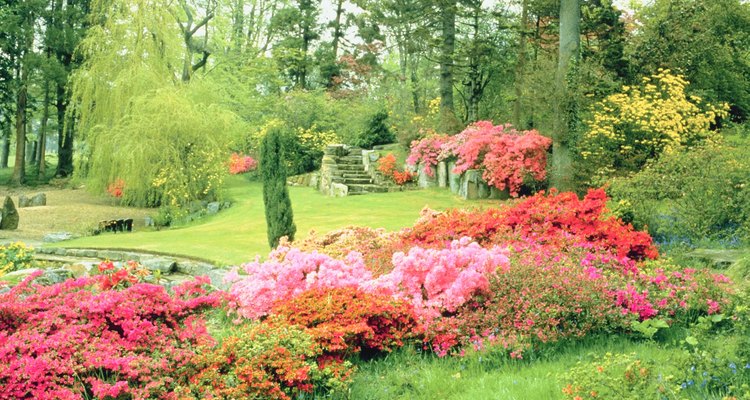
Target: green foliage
376	132
170	150
708	40
690	195
279	216
619	376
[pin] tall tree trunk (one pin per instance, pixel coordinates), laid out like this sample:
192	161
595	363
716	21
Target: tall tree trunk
561	176
31	151
5	146
448	48
475	83
19	167
64	136
43	134
520	66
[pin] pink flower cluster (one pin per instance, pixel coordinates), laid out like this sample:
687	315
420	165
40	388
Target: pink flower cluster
438	281
506	155
433	281
239	164
288	273
428	151
66	340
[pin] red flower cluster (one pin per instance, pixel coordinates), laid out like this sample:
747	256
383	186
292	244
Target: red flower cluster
343	321
255	361
115	189
559	219
387	166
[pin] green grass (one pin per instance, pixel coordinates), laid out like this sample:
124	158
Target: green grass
407	374
237	234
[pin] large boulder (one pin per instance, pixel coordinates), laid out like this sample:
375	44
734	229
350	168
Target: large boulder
39	200
23	201
9	215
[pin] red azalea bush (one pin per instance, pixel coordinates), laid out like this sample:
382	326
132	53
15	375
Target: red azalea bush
506	155
239	164
556	218
75	339
343	321
116	188
260	360
387	166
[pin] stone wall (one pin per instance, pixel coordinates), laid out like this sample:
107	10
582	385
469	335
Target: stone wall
469	185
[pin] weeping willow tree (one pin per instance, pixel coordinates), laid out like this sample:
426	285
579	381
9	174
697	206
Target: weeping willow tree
164	139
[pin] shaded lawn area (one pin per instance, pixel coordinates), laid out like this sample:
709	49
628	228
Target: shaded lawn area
238	234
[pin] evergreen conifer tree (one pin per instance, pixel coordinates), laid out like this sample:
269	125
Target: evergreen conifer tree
279	217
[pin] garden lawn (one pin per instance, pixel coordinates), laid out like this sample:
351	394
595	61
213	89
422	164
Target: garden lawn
238	234
404	374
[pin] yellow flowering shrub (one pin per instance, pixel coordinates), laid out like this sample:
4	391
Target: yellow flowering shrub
15	256
627	129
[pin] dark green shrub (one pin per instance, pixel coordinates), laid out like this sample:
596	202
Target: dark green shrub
689	196
279	216
376	132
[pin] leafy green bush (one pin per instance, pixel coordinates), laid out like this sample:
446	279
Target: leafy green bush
618	376
376	132
719	352
690	195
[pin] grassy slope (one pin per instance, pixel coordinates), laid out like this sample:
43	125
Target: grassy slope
239	233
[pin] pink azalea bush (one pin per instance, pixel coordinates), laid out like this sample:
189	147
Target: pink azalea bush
433	281
287	273
506	156
428	151
76	340
239	164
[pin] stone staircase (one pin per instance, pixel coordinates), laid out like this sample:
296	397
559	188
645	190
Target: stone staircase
343	166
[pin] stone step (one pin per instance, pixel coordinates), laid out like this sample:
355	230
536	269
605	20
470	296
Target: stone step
366	188
357	181
355	151
350	167
355	175
349	158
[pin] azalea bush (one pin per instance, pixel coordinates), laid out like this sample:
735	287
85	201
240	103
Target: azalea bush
542	296
347	320
239	164
261	360
508	157
560	218
116	188
83	338
387	167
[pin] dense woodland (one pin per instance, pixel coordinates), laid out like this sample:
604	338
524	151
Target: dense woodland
145	90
